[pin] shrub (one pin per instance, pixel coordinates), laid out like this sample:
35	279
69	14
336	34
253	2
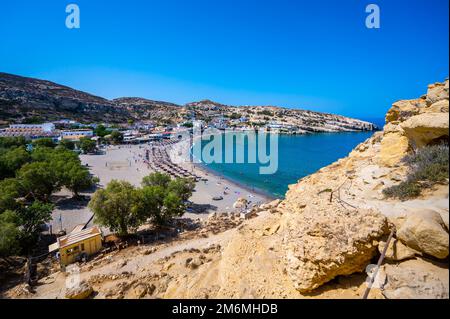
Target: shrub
428	166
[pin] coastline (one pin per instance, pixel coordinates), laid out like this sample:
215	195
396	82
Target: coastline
258	191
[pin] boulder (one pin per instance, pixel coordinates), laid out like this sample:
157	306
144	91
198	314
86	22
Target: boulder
437	92
82	291
424	128
324	242
139	291
396	251
415	279
241	203
425	231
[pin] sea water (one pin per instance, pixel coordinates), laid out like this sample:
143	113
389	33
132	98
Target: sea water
298	156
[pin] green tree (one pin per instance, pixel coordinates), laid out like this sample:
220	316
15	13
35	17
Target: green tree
173	206
164	198
116	137
8	142
156	179
101	131
182	187
9	234
11	160
87	145
38	180
46	142
10	191
30	220
76	177
67	144
117	207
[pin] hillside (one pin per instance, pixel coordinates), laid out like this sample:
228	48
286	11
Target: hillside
22	99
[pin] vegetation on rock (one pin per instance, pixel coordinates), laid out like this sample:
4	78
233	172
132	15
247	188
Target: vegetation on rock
428	166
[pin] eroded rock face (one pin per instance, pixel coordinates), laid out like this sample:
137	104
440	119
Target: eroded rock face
437	92
404	109
321	243
411	124
425	231
424	128
394	145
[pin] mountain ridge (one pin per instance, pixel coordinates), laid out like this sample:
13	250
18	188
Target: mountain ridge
26	97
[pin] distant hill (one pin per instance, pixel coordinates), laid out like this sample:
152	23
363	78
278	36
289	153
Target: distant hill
22	99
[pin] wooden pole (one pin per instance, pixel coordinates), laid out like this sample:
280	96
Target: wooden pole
380	261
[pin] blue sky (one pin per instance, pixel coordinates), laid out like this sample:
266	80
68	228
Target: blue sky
304	54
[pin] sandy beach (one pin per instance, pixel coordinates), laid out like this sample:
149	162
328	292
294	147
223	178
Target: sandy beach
127	162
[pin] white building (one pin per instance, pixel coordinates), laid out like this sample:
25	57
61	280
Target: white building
45	127
198	124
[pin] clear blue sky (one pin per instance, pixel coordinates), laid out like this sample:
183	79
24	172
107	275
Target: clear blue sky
305	54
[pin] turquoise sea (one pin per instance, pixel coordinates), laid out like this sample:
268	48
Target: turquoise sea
298	156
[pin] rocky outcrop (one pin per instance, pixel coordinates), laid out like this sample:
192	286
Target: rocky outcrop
425	128
324	242
394	145
426	232
437	92
415	123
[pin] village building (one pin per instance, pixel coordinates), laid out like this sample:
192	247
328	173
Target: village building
80	243
31	131
76	135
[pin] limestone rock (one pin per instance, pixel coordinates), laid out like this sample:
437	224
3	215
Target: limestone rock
425	231
437	92
424	128
396	250
241	203
139	291
438	107
82	291
404	109
394	147
324	242
415	279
